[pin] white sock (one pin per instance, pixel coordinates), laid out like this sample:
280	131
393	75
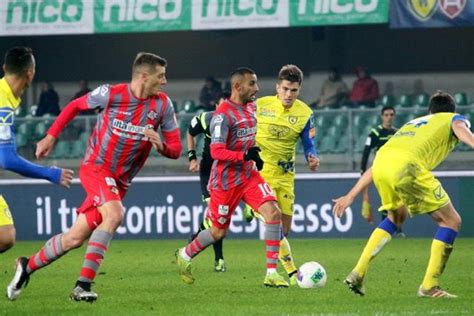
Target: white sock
271	270
184	255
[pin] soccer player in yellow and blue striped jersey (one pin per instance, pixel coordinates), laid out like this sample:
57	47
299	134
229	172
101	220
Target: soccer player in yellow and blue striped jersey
402	175
282	120
19	69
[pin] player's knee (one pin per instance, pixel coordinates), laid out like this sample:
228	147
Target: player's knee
113	219
217	233
7	240
5	245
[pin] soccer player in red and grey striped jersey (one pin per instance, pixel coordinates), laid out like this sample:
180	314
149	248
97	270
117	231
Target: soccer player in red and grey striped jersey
124	135
234	178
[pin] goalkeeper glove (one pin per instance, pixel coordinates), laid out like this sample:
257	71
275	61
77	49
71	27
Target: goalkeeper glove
253	154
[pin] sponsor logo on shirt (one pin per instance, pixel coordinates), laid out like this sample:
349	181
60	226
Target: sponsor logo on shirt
129	130
267	113
244	132
223	209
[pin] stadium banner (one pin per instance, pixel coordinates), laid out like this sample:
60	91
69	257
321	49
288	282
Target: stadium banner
32	17
431	13
337	12
55	17
112	16
228	14
164	208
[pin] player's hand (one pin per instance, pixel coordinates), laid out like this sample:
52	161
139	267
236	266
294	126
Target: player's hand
194	165
66	178
155	139
45	146
253	154
313	162
341	204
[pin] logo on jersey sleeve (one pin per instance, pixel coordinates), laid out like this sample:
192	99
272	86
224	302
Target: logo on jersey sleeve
6	116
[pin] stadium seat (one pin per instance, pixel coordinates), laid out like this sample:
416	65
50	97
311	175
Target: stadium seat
422	99
343	143
388	100
61	150
360	143
460	98
21	140
328	144
405	101
39	130
189	106
77	149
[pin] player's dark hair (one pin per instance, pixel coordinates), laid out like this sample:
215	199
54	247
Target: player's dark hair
386	108
240	72
148	60
18	60
441	102
290	73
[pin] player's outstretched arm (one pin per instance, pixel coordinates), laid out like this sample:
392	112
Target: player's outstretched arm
10	160
45	146
463	133
313	162
192	157
66	178
343	202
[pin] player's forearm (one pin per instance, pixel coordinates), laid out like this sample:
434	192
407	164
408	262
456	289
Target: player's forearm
172	146
190	141
463	133
363	183
10	160
67	115
220	152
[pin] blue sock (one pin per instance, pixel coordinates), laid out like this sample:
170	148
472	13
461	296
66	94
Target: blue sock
446	235
388	226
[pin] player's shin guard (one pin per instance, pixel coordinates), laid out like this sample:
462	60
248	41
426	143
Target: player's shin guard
98	244
441	248
380	236
285	256
272	242
201	242
51	251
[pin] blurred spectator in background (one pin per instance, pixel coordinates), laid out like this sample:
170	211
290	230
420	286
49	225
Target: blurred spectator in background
210	93
389	89
418	88
48	100
365	90
83	90
333	91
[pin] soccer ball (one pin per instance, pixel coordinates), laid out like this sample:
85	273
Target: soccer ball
311	275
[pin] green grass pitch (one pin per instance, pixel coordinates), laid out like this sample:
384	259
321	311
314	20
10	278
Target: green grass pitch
139	278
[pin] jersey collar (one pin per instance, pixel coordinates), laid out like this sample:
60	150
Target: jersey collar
4	86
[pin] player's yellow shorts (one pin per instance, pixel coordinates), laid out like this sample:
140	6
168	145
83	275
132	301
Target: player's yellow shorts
5	215
284	188
401	182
